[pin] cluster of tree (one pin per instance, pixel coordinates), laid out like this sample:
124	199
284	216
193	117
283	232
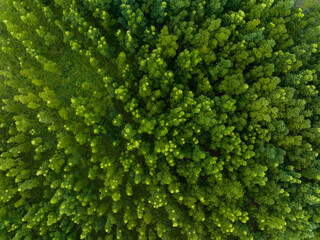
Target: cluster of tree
159	119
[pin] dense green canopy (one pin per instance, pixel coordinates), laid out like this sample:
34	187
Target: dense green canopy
159	119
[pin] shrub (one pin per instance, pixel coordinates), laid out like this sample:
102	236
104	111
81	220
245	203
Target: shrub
149	119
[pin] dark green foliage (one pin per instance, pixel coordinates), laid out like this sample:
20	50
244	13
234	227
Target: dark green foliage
149	119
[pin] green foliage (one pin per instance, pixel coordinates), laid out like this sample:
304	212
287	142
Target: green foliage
305	4
149	119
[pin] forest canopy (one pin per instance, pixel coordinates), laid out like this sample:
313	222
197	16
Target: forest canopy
159	119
